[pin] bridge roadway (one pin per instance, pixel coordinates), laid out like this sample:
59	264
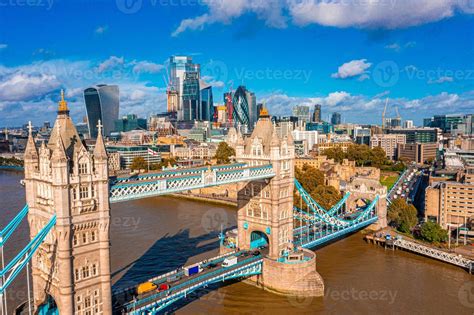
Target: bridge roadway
127	302
172	181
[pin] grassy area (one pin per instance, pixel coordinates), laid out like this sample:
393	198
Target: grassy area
388	179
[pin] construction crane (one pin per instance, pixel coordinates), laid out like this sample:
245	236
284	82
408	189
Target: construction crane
383	114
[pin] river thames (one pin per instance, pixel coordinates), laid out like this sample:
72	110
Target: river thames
156	235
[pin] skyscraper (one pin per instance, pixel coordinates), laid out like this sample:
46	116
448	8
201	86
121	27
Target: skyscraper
244	107
317	113
179	67
191	97
206	108
302	113
336	118
102	103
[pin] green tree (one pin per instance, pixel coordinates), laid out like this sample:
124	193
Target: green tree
138	163
337	154
326	196
432	232
377	157
309	177
223	153
403	215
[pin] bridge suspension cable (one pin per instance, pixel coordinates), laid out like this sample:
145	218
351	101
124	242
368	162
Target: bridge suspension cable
12	225
11	271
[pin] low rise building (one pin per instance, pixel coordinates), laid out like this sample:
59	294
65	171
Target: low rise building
388	142
417	152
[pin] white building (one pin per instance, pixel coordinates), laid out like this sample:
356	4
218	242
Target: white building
311	137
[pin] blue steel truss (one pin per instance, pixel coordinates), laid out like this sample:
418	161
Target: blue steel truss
157	302
11	227
17	264
171	182
320	227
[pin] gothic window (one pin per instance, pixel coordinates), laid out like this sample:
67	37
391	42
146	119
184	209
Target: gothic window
84	238
267	193
249	212
85	272
75	240
264	212
257	212
83	166
92	191
77	276
94	270
84	192
74	195
93	236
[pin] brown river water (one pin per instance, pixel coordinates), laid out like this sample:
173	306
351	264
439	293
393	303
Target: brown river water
156	235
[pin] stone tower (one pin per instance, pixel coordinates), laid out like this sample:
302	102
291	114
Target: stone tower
265	207
71	269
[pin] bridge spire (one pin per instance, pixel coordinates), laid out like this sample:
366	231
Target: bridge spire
100	151
31	152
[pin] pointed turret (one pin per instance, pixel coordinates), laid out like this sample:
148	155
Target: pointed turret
275	142
59	152
31	152
99	151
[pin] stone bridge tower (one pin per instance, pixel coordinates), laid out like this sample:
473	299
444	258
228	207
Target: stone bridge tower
71	269
361	189
265	207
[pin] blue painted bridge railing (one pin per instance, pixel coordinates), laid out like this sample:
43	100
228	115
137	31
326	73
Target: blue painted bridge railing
155	184
158	301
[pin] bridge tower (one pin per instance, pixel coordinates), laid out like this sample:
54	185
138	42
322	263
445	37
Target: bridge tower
71	269
363	189
265	207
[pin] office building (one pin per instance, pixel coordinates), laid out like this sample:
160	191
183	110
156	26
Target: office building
128	152
317	113
417	135
336	119
191	97
321	127
389	143
244	107
408	124
206	108
447	123
102	103
310	137
465	127
417	152
129	123
302	113
180	66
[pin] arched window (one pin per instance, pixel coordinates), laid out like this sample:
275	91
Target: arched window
83	167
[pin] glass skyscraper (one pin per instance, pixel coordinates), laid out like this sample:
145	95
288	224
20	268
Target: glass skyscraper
102	102
317	113
179	67
191	97
206	110
336	118
244	107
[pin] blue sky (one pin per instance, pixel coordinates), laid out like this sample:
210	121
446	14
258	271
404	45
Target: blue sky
348	55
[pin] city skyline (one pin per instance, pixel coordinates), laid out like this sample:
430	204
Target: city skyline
349	66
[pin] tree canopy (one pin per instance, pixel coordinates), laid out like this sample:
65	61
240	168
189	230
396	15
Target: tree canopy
138	163
223	153
362	154
402	215
432	232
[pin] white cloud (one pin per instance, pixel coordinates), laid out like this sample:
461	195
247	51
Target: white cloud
223	11
351	69
25	86
441	80
213	82
364	109
397	47
3	46
387	14
111	63
146	67
101	29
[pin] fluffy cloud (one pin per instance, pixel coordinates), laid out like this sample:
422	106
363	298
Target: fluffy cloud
441	80
101	29
223	11
34	88
351	69
385	14
146	67
111	63
364	109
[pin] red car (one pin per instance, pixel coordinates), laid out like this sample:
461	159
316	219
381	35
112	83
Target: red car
164	287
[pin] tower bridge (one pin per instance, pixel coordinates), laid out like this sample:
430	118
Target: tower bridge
69	192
